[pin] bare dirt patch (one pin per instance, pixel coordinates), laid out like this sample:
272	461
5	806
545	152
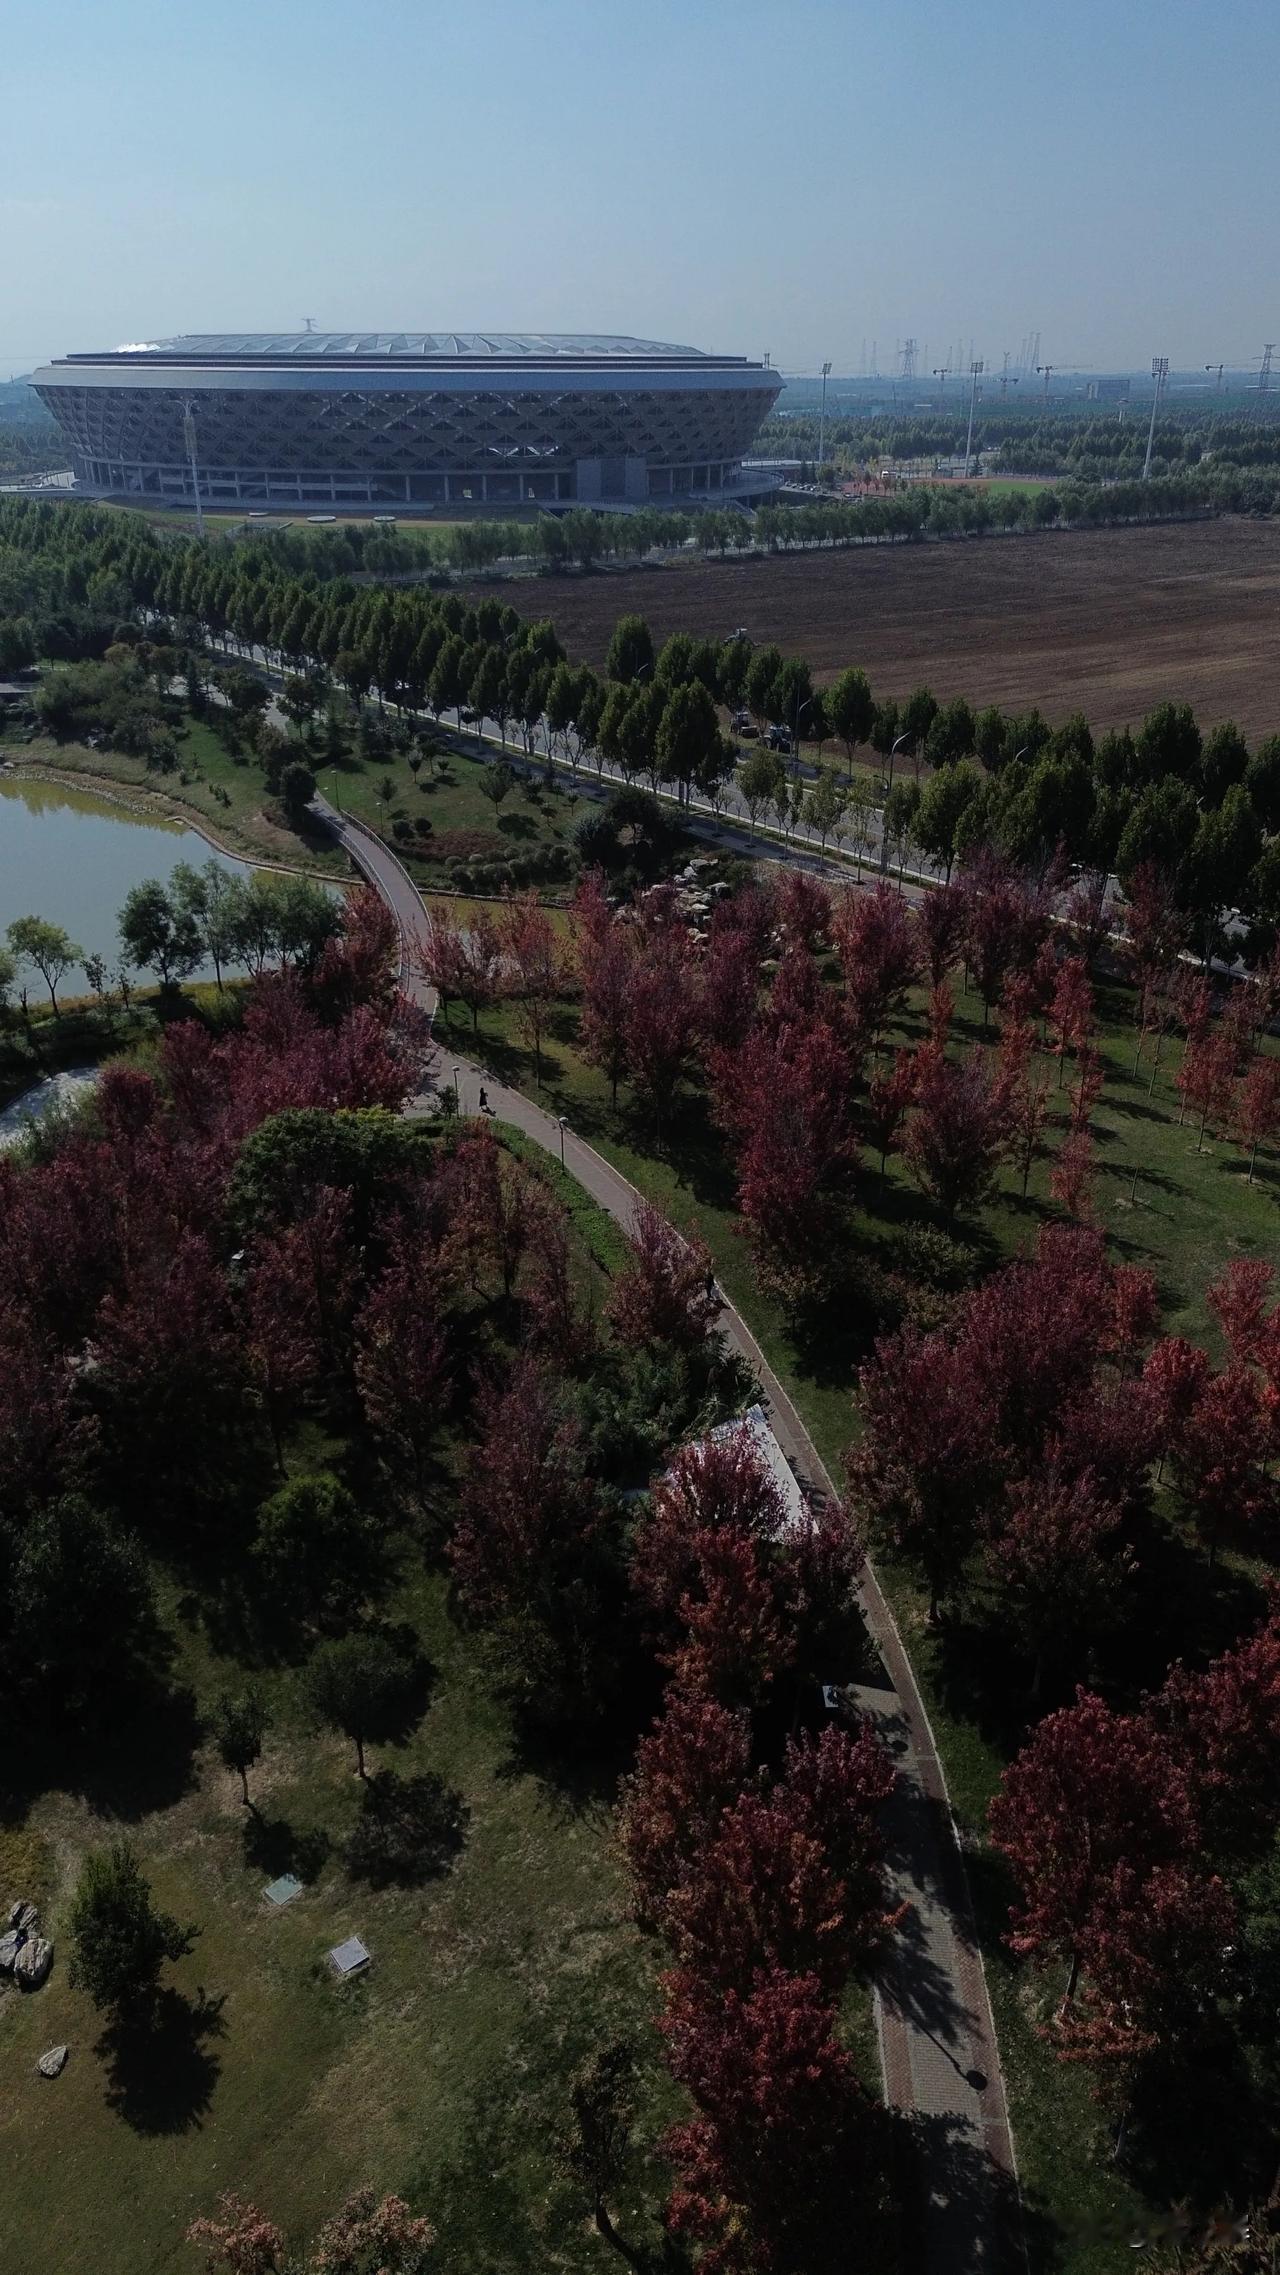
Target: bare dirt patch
1108	622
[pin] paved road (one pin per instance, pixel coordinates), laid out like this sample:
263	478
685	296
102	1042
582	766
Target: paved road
937	2039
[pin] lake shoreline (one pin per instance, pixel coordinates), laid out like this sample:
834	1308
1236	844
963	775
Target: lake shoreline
158	806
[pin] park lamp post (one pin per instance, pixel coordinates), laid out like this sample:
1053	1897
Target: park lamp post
898	742
822	415
564	1124
457	1095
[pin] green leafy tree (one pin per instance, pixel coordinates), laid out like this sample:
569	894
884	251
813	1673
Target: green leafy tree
688	735
496	783
901	807
630	653
316	1549
157	936
944	801
80	1610
359	1685
241	1720
825	804
46	948
1168	743
1224	761
760	778
1262	781
1159	833
119	1941
487	692
917	716
850	709
952	733
8	980
211	899
297	789
761	680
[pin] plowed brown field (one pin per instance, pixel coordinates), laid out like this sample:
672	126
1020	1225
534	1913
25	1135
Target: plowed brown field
1108	623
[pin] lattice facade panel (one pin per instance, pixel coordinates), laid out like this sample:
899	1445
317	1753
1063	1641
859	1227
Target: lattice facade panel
385	441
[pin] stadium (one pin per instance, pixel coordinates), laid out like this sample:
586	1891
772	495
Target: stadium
409	419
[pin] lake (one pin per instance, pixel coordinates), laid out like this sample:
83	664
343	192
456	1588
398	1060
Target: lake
71	856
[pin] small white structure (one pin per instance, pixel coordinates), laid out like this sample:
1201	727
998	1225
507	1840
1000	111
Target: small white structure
282	1891
350	1957
755	1425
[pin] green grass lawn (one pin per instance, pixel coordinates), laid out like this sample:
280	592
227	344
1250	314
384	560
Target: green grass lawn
443	2072
531	819
1193	1210
227	795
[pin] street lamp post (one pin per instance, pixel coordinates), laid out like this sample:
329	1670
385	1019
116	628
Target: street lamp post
822	415
1159	372
975	373
189	437
564	1124
457	1094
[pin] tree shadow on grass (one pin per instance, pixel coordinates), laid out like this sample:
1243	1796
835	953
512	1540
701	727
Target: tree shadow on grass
133	1755
161	2069
273	1846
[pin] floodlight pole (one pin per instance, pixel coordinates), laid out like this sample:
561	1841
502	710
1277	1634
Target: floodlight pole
822	415
975	373
189	437
1159	372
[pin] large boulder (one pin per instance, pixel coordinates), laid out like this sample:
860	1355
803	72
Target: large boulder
22	1915
10	1945
33	1963
50	2064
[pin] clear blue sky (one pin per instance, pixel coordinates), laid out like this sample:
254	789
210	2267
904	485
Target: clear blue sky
795	177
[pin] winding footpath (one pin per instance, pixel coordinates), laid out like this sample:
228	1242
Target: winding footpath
938	2049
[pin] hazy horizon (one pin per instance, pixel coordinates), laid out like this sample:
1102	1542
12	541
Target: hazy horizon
725	176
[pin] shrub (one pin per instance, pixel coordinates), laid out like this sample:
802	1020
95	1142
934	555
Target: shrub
932	1258
410	1829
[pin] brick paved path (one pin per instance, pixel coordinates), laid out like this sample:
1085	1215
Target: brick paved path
937	2041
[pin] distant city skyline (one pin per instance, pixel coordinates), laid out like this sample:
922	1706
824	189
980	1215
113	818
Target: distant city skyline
737	177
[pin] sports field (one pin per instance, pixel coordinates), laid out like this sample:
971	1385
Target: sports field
1108	622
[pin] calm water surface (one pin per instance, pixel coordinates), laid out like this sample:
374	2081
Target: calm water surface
70	856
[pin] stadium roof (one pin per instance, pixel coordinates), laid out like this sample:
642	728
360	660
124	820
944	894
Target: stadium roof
538	347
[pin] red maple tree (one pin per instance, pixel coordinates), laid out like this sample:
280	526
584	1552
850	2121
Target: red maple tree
665	1295
783	2162
695	1761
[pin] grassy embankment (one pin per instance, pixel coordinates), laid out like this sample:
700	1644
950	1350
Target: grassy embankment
442	2072
1192	1210
226	796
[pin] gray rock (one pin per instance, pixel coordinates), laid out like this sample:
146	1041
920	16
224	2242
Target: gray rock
24	1917
33	1962
10	1946
51	2063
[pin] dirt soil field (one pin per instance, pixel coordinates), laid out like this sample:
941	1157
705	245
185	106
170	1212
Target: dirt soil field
1108	622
